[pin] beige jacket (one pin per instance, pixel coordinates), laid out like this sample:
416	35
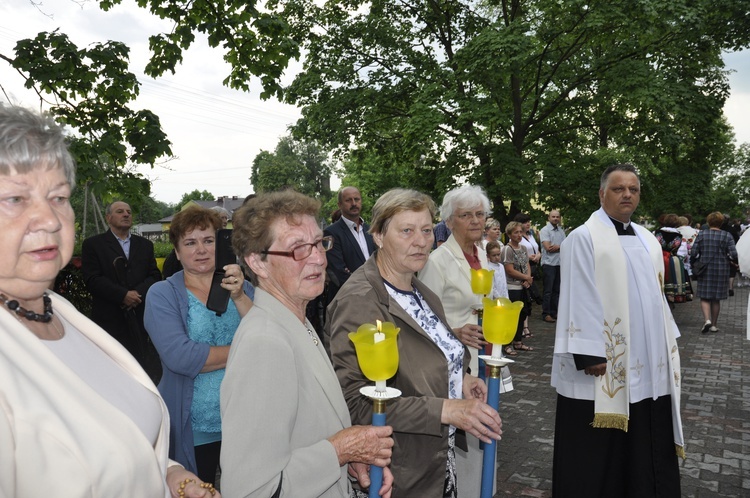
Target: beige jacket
280	401
58	437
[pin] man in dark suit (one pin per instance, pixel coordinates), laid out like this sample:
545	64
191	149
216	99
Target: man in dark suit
118	268
352	243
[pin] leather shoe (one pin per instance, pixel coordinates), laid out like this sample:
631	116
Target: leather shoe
549	319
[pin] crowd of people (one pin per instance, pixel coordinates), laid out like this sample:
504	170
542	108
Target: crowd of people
271	402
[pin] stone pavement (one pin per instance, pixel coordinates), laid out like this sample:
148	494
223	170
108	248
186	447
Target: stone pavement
715	408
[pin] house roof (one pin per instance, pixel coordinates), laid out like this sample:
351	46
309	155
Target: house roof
228	203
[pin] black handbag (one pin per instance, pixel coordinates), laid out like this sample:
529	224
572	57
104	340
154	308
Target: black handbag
699	268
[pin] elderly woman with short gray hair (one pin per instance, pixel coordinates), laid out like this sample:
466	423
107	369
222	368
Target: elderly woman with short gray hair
448	274
78	415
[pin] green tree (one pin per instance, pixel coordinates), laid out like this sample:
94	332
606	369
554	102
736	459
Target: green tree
296	164
255	39
732	186
530	99
195	195
91	91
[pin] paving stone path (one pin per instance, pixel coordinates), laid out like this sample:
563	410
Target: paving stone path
715	408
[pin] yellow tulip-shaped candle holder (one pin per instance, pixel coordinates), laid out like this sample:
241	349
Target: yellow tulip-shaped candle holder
500	324
481	283
377	355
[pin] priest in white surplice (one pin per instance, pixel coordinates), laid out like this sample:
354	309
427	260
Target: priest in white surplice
616	365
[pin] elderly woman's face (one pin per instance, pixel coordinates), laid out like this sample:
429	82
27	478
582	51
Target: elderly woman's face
37	230
468	224
196	250
292	282
407	242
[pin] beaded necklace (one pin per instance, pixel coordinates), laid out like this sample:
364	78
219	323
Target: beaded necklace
19	310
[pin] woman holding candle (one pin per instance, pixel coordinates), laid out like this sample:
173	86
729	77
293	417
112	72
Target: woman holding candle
448	274
438	395
78	415
284	419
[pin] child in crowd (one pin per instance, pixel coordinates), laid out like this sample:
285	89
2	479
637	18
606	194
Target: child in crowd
499	283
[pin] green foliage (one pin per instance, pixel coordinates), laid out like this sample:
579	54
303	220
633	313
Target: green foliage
376	173
195	195
296	164
149	210
255	39
162	249
732	184
91	90
529	99
70	284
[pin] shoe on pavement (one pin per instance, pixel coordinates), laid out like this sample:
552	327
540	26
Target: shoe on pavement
713	330
731	292
706	327
549	319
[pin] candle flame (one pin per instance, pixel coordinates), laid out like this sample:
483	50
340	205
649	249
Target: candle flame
379	325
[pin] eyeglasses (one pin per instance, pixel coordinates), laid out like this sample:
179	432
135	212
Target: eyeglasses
303	251
480	215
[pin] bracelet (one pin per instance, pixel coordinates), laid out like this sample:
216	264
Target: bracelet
204	485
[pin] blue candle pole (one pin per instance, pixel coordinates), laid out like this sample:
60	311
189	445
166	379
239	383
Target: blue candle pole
490	449
376	473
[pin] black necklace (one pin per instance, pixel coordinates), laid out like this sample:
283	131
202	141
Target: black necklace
13	305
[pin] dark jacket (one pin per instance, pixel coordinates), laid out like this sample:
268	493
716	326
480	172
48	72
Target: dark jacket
98	254
421	440
346	256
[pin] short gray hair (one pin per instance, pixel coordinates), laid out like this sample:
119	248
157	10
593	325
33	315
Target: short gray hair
31	141
464	197
221	211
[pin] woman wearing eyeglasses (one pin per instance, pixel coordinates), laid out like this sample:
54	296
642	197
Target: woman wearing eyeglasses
285	421
192	341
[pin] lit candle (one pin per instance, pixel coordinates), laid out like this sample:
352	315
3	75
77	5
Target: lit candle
500	321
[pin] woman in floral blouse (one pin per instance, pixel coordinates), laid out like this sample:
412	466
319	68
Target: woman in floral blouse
438	395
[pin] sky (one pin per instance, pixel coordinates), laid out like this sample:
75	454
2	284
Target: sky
215	132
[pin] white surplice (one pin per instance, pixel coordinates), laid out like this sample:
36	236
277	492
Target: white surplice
581	318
